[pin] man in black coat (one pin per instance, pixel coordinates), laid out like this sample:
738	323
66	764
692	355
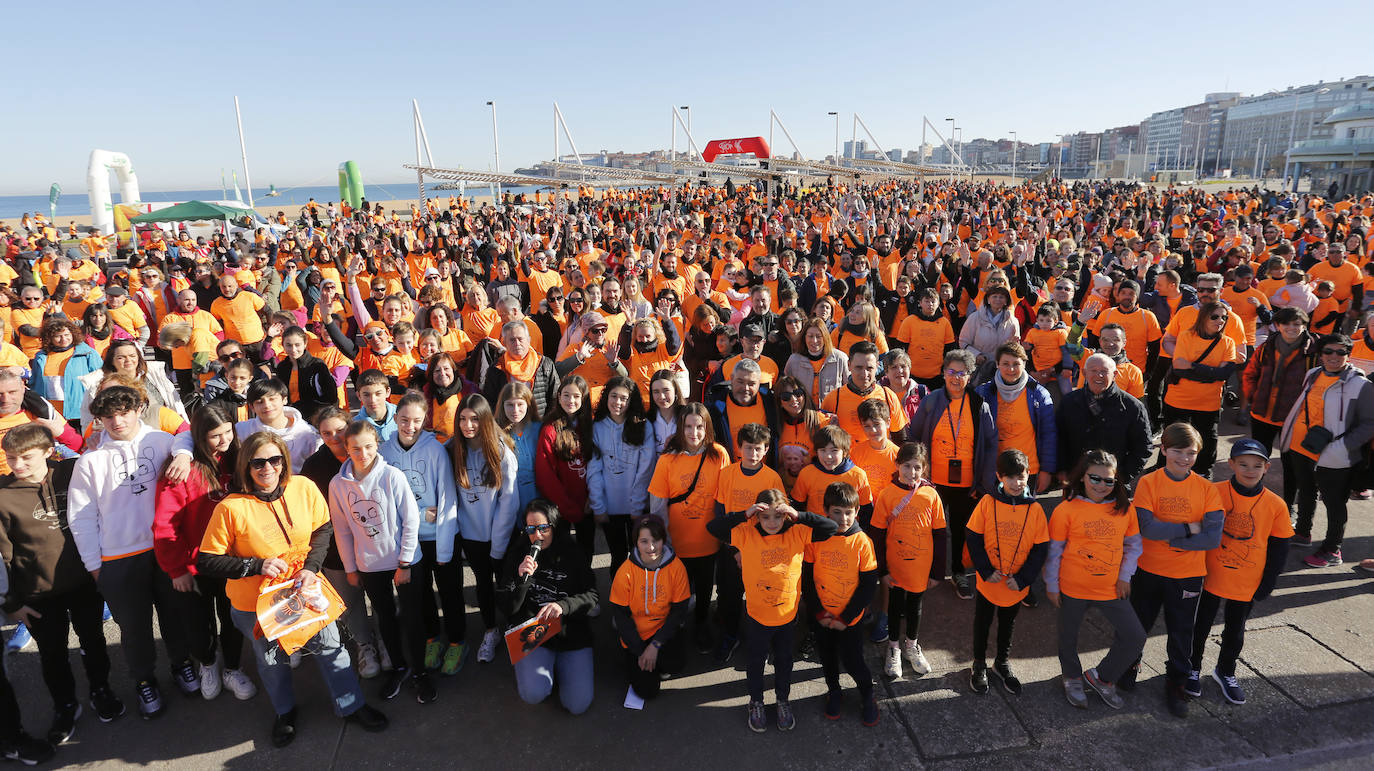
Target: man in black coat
1102	416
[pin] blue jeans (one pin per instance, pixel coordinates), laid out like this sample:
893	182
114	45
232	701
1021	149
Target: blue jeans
275	672
534	677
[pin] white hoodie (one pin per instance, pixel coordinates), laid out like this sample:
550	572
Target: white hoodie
376	521
110	503
300	437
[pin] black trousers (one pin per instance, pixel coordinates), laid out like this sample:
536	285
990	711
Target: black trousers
11	721
584	533
205	614
478	555
617	531
1232	631
843	645
701	577
983	611
672	657
428	573
1266	434
1206	425
1178	598
133	586
1155	387
1333	484
729	591
759	640
397	609
903	605
82	609
959	505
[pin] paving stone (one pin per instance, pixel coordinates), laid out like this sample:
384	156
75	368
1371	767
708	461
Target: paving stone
1308	672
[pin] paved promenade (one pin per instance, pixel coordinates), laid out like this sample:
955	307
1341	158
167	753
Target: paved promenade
1308	669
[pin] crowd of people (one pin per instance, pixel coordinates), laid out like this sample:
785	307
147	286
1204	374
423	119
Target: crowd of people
1017	390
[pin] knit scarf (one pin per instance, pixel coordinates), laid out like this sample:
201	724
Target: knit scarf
1009	391
521	369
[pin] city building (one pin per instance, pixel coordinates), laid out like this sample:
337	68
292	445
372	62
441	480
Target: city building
1346	159
1258	129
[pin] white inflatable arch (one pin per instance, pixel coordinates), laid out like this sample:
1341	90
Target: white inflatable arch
98	186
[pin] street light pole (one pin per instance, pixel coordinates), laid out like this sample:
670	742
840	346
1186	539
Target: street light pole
1013	159
687	108
496	151
950	121
1292	130
837	136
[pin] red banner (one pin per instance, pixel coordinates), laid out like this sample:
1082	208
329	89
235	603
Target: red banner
756	145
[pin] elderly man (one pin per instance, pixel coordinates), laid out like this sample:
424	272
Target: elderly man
595	359
743	400
1102	416
519	362
19	406
237	309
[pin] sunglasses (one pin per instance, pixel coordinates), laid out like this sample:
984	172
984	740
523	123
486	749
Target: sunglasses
231	356
258	464
1097	480
577	300
553	299
373	335
1218	317
532	529
956	373
791	394
379	289
1208	289
1335	352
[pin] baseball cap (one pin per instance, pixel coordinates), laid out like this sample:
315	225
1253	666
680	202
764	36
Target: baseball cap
752	328
115	290
1249	447
431	272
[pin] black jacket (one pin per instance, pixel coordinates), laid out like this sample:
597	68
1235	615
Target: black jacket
490	379
1114	422
316	383
720	419
563	576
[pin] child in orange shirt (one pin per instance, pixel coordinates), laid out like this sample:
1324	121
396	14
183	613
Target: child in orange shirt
909	536
1046	341
832	464
1094	545
1242	571
648	620
770	547
1005	567
1328	310
839	579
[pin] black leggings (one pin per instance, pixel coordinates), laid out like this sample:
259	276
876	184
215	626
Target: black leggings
584	533
449	578
701	577
759	640
1333	484
478	555
1232	633
959	504
617	531
729	591
672	657
902	604
206	616
843	645
397	609
983	611
1206	425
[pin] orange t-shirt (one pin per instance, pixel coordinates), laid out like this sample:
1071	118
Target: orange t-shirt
812	481
1094	537
1179	503
1313	413
1235	568
910	517
844	402
925	341
1141	327
1009	533
878	465
240	317
1346	277
1192	394
952	439
768	369
1241	306
737	489
650	594
1046	346
673	476
1184	318
1015	430
771	566
838	561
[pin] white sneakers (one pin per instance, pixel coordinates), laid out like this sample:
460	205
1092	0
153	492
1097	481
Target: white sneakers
238	683
210	685
486	653
892	661
916	657
368	664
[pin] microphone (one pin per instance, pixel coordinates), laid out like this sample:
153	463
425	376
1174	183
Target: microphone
535	548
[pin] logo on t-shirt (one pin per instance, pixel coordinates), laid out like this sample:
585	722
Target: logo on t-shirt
138	473
367	513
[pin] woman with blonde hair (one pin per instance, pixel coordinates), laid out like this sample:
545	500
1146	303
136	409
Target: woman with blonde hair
816	363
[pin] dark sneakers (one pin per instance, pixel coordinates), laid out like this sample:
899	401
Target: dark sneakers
834	705
106	704
703	639
391	684
149	699
425	692
978	678
27	750
962	586
871	713
284	729
371	720
1126	683
1010	683
1193	684
726	648
1176	697
64	724
1230	687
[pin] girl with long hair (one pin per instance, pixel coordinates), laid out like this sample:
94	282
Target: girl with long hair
485	467
622	460
518	416
560	459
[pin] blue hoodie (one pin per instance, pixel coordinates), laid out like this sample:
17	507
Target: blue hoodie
429	471
385	429
618	473
376	521
486	513
525	445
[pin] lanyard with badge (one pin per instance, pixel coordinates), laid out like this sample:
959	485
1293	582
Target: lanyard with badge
955	467
997	535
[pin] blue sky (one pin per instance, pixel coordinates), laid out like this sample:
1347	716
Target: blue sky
321	83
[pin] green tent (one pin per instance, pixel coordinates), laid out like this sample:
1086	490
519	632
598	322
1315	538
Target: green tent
192	211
